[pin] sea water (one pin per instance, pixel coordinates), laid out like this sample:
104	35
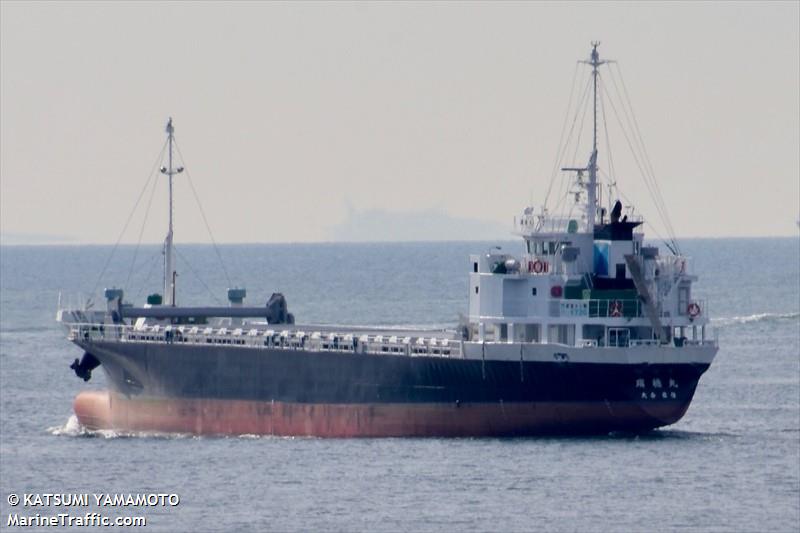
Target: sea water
731	464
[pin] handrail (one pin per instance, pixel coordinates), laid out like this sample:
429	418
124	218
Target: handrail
334	342
644	342
276	339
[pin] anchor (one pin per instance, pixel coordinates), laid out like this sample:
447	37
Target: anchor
83	369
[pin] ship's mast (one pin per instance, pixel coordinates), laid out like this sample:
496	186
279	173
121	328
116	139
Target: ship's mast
591	207
169	252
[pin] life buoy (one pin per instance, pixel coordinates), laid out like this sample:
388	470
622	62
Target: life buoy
616	308
693	309
539	266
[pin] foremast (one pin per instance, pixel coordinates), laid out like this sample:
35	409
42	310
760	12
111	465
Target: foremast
170	274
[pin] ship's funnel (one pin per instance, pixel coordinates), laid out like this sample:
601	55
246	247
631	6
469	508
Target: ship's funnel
616	212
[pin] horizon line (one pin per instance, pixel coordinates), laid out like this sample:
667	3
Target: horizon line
388	241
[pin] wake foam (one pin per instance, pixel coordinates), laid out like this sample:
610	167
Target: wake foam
73	428
758	317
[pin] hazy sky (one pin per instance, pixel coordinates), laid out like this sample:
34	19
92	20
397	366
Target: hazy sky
290	115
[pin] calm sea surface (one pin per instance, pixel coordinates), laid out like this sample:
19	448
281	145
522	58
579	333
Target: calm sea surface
732	463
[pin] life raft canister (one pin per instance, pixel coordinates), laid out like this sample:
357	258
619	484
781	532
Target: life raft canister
616	308
693	309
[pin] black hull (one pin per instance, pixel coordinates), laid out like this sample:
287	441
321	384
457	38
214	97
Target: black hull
233	390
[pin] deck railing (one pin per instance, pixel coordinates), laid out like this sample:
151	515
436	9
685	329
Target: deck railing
315	341
272	338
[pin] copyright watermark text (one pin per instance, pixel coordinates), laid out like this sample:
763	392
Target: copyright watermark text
101	500
69	520
86	517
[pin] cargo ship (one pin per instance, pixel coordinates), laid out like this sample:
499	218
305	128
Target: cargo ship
588	330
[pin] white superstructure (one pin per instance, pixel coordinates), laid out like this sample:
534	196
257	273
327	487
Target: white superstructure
585	278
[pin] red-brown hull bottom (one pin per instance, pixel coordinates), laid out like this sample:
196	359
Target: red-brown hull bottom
104	410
